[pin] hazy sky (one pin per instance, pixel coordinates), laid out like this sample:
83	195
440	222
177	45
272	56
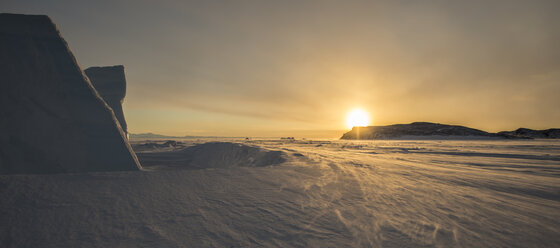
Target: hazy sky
258	68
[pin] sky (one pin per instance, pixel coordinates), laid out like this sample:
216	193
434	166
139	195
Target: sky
296	68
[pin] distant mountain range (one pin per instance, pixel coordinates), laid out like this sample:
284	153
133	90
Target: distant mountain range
416	129
159	136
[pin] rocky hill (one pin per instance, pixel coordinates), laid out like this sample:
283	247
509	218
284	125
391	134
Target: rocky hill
553	133
430	130
413	129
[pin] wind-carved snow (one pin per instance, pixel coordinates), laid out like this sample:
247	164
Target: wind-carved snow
212	155
320	194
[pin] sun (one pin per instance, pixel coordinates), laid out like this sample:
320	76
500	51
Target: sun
357	118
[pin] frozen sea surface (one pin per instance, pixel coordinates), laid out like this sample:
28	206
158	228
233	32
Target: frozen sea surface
282	193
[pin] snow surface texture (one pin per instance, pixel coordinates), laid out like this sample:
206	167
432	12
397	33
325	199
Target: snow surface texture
51	118
304	194
110	83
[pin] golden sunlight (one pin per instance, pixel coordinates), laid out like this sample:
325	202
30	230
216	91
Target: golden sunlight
357	118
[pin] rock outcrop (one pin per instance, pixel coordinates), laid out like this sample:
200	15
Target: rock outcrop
110	83
427	130
52	120
414	129
553	133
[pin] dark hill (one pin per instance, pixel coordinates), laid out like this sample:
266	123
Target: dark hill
436	130
413	129
553	133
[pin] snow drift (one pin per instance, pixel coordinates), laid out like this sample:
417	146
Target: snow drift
51	118
500	193
213	155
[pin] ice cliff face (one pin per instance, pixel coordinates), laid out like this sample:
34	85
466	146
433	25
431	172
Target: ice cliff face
110	83
51	118
413	129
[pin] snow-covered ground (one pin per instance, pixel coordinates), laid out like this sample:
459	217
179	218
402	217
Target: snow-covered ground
303	193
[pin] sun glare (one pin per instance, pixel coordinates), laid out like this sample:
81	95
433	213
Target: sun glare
357	118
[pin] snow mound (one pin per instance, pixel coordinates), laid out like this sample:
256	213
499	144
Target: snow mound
226	154
213	155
